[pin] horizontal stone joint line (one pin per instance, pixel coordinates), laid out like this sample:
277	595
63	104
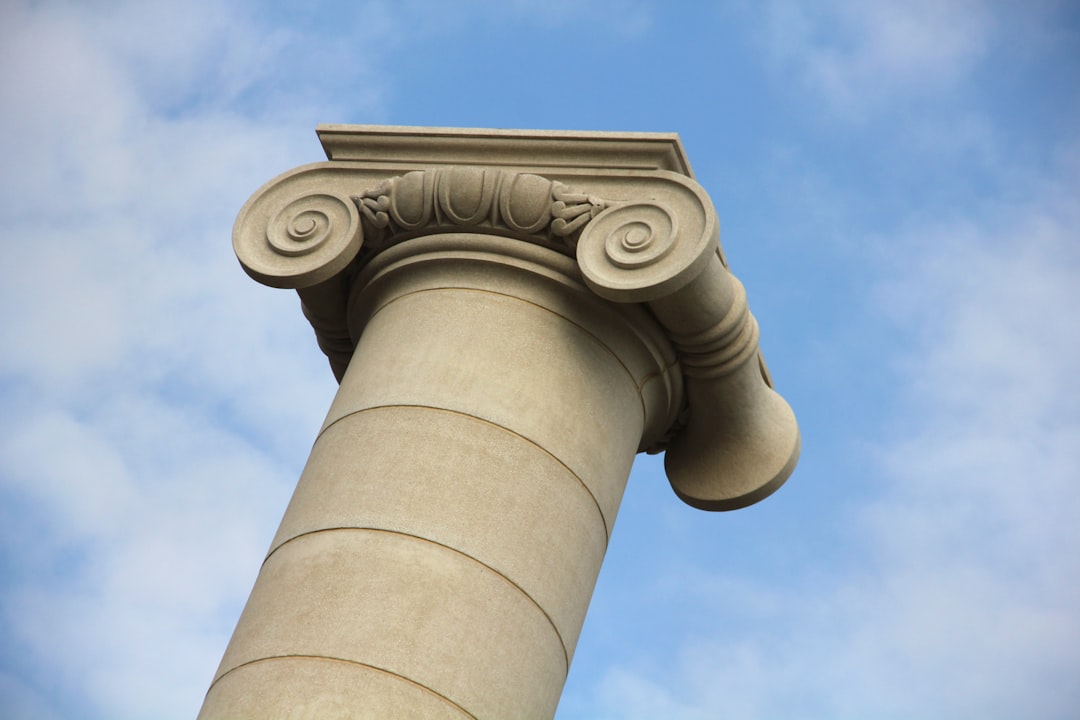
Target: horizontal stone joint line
481	563
328	658
482	291
603	519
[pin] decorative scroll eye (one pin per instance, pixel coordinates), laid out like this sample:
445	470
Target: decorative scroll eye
634	253
307	239
639	238
304	224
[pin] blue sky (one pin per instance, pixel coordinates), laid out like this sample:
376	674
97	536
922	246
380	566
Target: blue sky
898	186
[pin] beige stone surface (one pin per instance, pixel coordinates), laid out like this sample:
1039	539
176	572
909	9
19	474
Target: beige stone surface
481	439
741	440
490	355
530	279
546	149
512	315
466	484
313	688
408	607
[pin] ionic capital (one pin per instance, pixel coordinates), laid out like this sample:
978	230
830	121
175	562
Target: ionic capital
624	206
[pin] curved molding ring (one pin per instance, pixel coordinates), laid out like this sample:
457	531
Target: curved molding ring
724	347
289	240
634	252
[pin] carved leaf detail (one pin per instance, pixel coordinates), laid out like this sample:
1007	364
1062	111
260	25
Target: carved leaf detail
530	207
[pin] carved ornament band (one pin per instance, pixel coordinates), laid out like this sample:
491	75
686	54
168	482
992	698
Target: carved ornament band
456	198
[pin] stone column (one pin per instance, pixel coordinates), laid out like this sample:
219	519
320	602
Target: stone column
512	317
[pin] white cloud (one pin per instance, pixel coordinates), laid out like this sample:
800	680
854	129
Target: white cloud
857	56
139	440
143	463
134	594
979	528
961	601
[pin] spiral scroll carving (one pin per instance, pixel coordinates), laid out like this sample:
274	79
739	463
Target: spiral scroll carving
633	252
524	205
306	239
637	236
304	225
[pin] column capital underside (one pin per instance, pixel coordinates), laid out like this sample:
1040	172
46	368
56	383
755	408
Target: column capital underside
623	205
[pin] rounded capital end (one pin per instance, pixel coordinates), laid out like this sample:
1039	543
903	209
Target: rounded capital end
289	240
741	444
634	252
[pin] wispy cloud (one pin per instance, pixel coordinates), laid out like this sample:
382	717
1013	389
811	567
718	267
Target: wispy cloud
963	602
857	56
955	591
139	439
622	18
127	460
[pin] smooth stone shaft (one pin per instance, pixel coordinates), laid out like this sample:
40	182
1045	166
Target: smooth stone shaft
438	556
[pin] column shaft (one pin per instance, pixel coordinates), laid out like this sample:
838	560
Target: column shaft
439	553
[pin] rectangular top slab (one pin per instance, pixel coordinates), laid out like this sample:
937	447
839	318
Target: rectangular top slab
535	150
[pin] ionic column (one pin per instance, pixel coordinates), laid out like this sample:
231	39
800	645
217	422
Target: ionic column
506	342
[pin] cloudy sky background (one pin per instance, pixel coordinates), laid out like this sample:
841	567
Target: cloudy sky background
899	189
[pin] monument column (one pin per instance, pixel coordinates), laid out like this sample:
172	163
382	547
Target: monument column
509	330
